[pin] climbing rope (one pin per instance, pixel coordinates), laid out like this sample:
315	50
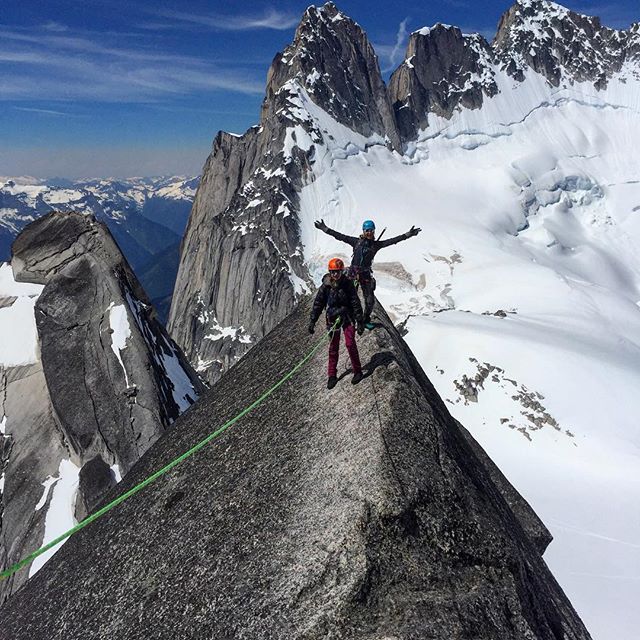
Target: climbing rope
175	462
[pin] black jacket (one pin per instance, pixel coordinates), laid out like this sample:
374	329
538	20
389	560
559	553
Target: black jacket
364	249
341	300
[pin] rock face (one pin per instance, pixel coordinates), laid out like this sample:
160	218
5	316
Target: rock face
241	265
335	61
107	384
443	70
238	253
94	480
32	452
364	512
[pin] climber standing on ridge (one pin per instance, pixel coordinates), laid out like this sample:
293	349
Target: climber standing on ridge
338	294
365	248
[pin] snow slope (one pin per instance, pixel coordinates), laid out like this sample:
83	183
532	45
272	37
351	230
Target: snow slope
18	334
520	299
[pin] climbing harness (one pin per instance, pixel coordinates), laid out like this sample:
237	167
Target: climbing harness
175	462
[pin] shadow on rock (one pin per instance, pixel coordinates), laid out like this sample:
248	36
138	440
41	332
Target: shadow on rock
381	359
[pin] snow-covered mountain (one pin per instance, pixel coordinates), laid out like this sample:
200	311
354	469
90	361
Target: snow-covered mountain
147	217
521	296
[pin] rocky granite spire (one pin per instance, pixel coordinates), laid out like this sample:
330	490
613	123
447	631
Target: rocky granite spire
444	69
558	43
107	381
241	265
370	516
333	60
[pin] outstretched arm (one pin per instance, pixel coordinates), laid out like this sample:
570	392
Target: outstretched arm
336	234
414	231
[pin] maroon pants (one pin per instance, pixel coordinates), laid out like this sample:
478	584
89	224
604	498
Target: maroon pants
352	348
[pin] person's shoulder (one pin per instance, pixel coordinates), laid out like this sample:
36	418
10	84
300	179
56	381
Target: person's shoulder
326	280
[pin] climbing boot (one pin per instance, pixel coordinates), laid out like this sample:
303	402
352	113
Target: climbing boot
356	377
332	382
369	325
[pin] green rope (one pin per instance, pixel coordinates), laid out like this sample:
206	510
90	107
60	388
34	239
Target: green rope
125	496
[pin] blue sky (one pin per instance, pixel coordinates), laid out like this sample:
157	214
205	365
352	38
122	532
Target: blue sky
121	88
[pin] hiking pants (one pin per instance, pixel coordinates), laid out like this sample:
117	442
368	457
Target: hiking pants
368	285
352	348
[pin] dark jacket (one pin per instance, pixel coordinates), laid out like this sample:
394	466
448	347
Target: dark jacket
364	249
341	300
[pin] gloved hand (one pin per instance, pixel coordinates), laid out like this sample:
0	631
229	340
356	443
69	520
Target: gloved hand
320	225
312	327
414	231
360	328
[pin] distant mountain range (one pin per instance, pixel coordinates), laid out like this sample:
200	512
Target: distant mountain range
147	217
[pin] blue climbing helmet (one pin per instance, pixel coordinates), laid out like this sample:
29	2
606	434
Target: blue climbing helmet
368	225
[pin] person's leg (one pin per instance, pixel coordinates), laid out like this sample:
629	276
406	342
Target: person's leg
334	349
367	294
352	348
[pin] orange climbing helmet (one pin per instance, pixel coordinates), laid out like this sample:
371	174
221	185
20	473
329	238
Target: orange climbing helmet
335	264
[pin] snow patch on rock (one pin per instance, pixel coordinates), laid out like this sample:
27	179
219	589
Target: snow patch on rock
60	514
120	332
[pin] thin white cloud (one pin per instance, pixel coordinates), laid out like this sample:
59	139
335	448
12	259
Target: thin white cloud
398	49
393	54
69	67
48	112
270	19
55	26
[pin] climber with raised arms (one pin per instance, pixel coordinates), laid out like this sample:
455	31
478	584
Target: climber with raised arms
365	248
338	294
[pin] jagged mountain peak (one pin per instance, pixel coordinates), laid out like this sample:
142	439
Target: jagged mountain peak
320	29
541	17
332	59
443	68
441	31
446	70
558	43
438	26
542	6
328	10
